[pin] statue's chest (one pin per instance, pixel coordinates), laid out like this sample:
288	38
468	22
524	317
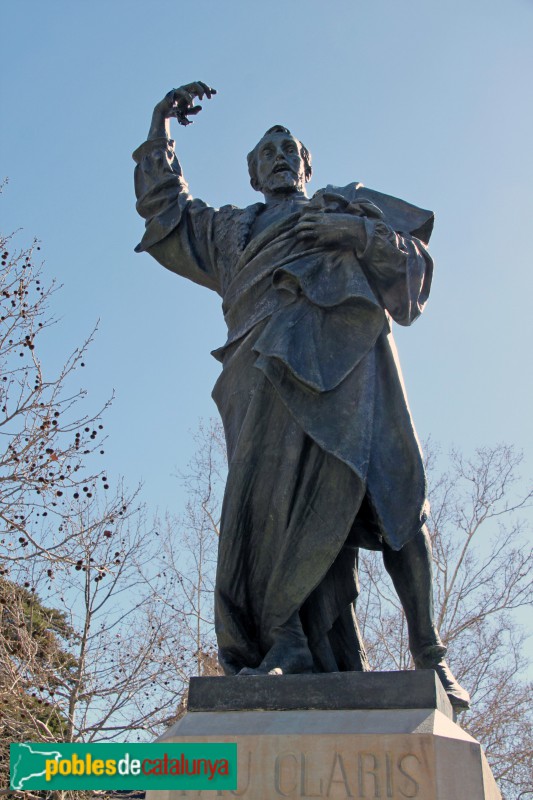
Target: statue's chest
272	214
232	232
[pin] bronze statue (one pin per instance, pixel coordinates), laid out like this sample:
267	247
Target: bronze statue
323	456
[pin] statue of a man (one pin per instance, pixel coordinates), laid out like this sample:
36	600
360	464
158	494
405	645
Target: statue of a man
322	453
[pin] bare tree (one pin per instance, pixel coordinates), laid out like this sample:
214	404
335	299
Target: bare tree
190	544
88	640
45	439
90	651
123	682
482	568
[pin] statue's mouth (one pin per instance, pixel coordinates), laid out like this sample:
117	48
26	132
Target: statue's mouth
282	168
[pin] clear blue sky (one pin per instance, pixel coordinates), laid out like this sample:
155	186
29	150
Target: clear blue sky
424	100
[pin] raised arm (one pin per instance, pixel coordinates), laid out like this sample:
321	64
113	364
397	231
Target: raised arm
179	229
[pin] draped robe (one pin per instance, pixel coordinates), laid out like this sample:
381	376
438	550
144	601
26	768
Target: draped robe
322	453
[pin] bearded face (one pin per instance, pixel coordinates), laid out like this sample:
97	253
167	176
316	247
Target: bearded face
280	166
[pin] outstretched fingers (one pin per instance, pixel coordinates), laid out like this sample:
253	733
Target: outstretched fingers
200	89
182	100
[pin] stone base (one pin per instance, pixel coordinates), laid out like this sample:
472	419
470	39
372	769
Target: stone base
366	735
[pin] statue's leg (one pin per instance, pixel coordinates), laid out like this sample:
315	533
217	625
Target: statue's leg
411	571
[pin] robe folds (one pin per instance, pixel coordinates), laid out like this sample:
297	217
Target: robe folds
323	457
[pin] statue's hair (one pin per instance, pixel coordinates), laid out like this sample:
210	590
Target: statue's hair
252	157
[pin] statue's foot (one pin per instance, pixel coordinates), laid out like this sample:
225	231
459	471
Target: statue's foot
292	663
289	654
259	671
283	661
458	697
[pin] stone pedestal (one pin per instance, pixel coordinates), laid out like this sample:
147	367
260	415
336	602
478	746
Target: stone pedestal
387	736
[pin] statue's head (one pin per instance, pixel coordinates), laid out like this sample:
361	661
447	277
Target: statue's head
279	163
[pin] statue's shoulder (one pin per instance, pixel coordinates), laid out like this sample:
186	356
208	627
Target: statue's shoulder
349	192
402	216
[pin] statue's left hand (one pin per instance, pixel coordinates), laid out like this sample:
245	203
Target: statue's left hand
331	230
